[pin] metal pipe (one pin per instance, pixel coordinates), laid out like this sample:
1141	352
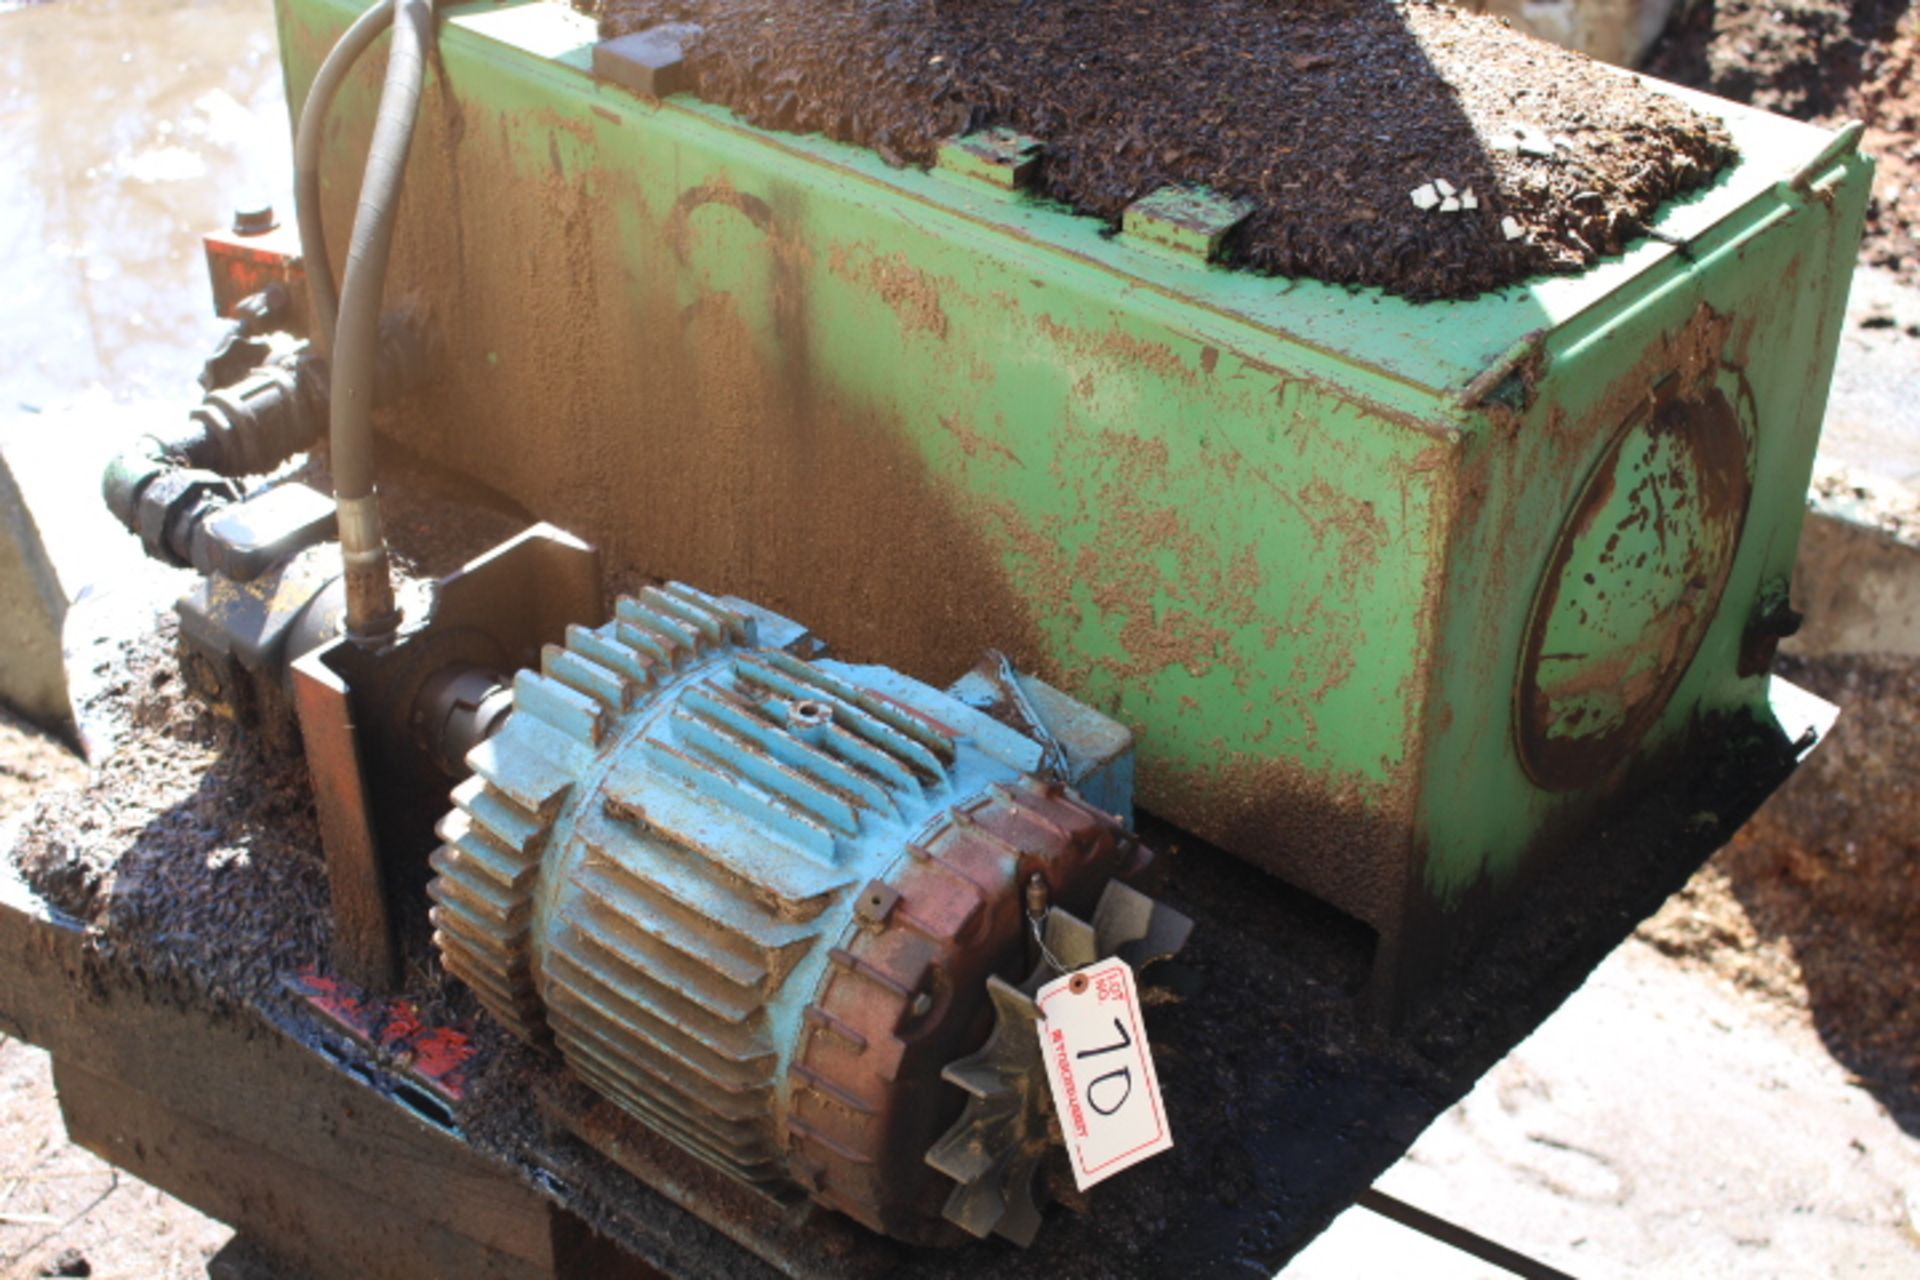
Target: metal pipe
308	138
456	710
164	482
371	616
1452	1234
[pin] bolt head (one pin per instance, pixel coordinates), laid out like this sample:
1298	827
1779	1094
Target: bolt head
254	218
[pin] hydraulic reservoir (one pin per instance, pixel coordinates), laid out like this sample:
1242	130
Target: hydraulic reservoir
1395	596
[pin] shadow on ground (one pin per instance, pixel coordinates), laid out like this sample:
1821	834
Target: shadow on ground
1822	889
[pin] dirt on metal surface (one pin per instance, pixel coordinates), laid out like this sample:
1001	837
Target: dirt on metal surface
179	845
1584	713
823	470
191	844
1329	116
1826	61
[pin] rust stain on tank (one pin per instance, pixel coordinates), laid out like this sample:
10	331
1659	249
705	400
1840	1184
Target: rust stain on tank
576	127
911	294
975	445
715	191
1172	615
1578	715
797	473
1358	526
1340	837
1116	349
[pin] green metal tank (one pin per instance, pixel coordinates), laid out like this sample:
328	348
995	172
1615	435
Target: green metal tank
1396	597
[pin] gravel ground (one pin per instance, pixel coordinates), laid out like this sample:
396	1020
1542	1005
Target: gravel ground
31	762
1873	416
58	1203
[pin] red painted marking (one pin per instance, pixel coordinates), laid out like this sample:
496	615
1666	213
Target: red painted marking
403	1023
441	1055
434	1056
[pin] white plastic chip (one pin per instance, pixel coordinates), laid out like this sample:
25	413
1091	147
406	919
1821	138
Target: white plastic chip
1424	197
1527	139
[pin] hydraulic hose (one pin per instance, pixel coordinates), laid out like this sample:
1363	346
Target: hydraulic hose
308	140
371	616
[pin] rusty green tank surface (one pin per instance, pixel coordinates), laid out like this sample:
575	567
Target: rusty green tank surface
1396	597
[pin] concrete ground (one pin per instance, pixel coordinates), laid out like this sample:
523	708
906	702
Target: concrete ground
1873	416
1661	1123
1664	1123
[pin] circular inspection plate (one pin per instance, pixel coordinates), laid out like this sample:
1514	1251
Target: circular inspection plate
1634	581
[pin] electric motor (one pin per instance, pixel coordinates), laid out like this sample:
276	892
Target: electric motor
756	900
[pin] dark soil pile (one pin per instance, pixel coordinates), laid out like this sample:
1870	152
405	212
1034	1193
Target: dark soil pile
1327	114
1826	61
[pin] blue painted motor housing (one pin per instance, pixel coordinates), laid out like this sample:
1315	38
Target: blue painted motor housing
659	856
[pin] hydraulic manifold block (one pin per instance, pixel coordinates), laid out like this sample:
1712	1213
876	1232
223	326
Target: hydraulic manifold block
756	900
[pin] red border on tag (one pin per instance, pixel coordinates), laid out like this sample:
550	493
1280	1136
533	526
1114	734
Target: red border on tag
1133	1016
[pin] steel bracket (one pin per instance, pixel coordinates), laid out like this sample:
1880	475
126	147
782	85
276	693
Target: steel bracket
375	782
